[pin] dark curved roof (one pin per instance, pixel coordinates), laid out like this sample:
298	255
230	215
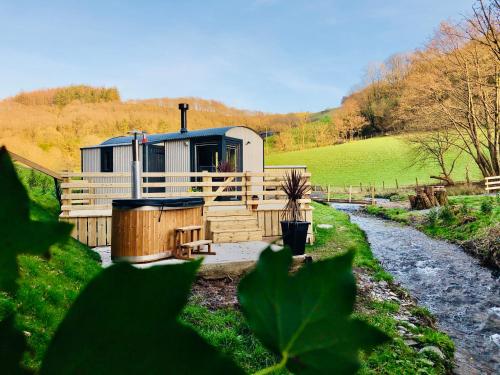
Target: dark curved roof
155	138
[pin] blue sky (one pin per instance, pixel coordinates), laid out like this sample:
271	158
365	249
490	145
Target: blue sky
270	55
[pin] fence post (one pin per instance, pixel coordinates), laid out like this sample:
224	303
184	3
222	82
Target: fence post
65	191
328	193
416	180
383	185
373	195
350	193
206	190
360	187
244	189
397	185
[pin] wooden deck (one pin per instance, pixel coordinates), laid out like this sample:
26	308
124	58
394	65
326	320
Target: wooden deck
256	196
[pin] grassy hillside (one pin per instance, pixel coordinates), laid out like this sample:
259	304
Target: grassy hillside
47	287
374	160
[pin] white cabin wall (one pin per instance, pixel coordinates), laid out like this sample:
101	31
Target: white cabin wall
253	148
91	160
122	162
177	159
253	151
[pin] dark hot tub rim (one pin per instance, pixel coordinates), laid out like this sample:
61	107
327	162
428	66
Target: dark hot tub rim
158	202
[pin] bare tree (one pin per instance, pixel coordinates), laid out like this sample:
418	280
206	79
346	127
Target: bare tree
483	25
454	84
438	148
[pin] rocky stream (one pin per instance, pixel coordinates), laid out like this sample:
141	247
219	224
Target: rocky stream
460	293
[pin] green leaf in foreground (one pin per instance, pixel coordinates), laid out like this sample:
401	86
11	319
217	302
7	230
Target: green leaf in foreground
12	347
306	318
125	322
18	233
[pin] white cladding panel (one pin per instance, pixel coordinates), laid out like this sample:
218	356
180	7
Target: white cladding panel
177	156
253	148
253	151
122	158
177	159
91	160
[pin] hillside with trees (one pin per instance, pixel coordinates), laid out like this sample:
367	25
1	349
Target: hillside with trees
446	95
49	126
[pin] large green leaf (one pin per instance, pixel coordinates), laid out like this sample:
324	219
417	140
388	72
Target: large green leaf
125	322
306	318
19	234
12	347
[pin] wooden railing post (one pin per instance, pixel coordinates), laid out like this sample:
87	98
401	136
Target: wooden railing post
65	191
245	189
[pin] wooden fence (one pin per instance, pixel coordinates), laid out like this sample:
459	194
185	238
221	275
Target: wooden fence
492	184
87	197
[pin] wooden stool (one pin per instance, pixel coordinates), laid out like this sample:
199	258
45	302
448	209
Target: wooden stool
194	247
194	244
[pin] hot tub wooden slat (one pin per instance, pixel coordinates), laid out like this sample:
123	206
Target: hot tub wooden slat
139	235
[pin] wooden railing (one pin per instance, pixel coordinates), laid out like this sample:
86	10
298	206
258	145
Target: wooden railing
87	198
492	184
95	191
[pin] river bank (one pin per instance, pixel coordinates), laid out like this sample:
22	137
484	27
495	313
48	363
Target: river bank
472	222
417	346
463	295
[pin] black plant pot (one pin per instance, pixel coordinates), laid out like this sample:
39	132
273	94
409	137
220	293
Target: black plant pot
295	235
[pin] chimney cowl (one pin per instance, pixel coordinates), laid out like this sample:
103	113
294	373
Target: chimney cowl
184	108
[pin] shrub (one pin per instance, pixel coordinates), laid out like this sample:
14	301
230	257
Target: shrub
446	214
465	209
432	217
487	206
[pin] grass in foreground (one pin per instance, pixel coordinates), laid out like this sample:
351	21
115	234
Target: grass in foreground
47	287
375	160
226	328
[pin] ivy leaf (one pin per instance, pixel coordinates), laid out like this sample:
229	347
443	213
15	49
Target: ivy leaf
125	322
306	318
12	347
18	233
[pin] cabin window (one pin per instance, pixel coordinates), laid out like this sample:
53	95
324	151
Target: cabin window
107	159
233	156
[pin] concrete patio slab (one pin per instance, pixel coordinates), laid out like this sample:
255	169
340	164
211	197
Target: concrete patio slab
225	253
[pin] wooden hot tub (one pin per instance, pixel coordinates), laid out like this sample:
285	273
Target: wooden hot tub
143	230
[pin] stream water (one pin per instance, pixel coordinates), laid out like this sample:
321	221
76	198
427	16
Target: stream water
463	295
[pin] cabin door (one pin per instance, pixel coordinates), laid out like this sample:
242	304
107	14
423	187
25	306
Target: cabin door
207	157
154	161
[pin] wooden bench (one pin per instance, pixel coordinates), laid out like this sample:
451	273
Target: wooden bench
194	247
184	250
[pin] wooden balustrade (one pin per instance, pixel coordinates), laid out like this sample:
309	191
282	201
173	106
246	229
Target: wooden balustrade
87	197
492	184
87	191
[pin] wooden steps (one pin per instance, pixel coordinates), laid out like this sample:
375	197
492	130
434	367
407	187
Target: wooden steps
233	226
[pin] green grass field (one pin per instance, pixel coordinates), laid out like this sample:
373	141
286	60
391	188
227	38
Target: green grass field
47	288
375	160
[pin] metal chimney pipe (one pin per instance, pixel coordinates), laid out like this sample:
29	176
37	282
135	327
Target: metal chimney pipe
136	169
184	108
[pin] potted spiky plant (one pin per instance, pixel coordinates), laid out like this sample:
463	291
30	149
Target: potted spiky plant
293	227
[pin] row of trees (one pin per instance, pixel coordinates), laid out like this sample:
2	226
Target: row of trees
449	92
62	96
